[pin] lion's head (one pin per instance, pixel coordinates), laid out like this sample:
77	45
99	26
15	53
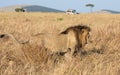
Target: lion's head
83	33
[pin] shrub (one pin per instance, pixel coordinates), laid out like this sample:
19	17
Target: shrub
59	19
19	10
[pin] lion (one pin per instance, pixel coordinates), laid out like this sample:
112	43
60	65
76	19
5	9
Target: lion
77	37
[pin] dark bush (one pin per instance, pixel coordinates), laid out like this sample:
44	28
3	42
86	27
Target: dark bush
20	10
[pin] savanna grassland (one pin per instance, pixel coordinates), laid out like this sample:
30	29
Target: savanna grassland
36	57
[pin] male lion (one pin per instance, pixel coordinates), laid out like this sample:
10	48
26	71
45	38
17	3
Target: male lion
77	37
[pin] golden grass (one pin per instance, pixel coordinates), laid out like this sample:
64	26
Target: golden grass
103	54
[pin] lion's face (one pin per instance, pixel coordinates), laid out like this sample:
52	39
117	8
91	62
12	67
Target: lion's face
84	36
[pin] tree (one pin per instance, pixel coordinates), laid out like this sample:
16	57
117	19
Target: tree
19	10
91	6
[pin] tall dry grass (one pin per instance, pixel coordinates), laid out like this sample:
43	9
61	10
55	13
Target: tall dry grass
103	53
